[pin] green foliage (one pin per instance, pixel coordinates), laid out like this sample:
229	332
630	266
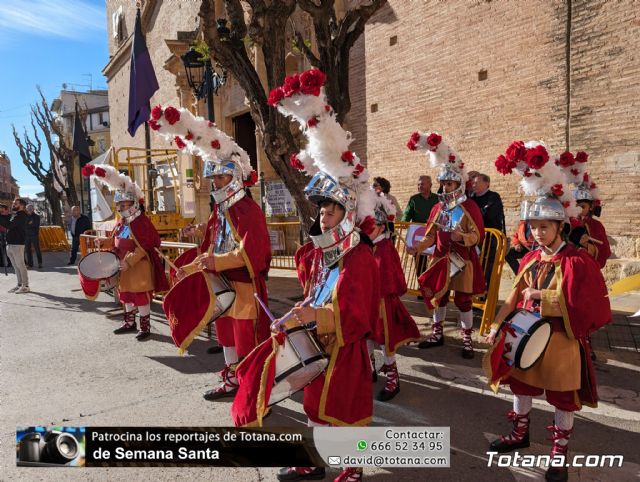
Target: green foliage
202	48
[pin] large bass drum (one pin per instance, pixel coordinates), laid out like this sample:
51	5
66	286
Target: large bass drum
102	267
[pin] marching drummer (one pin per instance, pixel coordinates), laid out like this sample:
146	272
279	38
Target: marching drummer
395	326
235	242
134	240
456	228
550	283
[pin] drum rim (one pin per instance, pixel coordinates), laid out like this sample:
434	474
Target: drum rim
535	327
221	314
295	368
98	252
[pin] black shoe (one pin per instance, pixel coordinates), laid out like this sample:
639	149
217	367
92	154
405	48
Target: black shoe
385	396
374	376
70	263
419	298
502	447
468	354
212	395
212	350
125	329
557	474
287	474
430	343
143	335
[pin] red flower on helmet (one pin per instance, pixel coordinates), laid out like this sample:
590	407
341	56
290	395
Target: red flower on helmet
348	157
179	142
312	122
156	112
210	124
516	151
172	115
311	81
100	172
566	159
434	139
291	85
357	170
327	107
575	172
275	96
251	180
87	170
189	135
556	190
415	137
566	204
581	156
215	144
295	162
411	145
536	157
593	185
527	173
503	165
153	124
452	158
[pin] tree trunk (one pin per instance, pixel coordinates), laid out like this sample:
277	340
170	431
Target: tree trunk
53	197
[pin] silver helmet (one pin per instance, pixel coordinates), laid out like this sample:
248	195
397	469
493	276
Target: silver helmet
124	195
234	190
213	168
545	207
449	174
582	193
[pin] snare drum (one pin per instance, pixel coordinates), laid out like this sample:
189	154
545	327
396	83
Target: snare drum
457	264
527	337
102	267
298	362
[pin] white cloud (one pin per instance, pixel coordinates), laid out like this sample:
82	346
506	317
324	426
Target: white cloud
30	190
71	19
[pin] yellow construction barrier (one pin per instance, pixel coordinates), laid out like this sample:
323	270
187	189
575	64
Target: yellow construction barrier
53	238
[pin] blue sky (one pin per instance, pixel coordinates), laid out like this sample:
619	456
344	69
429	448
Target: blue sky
46	43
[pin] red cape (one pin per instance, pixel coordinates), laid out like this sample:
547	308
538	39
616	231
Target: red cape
342	396
596	231
305	258
395	326
435	280
585	307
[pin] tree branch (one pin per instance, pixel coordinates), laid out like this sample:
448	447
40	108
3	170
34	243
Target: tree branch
308	53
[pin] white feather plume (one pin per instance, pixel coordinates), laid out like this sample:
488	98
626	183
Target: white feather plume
116	181
441	155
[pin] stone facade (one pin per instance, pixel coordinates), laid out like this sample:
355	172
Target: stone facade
8	188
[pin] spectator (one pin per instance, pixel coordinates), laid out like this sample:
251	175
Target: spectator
380	184
79	224
521	243
490	205
16	235
5	219
468	187
32	238
419	206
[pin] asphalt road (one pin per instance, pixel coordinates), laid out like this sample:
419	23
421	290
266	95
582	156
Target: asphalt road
61	365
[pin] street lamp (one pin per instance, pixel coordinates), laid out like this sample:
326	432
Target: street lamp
202	78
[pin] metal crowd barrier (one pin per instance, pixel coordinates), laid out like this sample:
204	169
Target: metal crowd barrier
285	240
53	238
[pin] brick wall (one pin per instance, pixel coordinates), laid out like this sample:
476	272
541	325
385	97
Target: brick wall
430	80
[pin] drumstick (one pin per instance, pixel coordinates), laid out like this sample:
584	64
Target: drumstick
166	258
597	241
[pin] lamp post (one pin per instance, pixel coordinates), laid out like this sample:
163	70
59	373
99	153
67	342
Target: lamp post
203	79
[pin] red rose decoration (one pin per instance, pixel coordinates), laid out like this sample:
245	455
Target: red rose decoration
311	81
556	190
566	204
516	151
503	166
581	156
291	85
412	145
172	115
87	170
452	158
100	172
566	159
461	165
295	162
327	108
215	144
585	177
415	137
210	124
156	112
189	135
536	157
312	122
153	124
527	173
357	170
593	185
391	217
434	139
253	178
275	96
347	156
179	142
575	172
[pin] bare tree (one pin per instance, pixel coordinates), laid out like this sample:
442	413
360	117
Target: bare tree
58	151
266	29
30	150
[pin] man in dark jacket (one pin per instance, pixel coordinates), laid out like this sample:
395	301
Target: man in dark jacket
33	236
16	235
490	205
79	224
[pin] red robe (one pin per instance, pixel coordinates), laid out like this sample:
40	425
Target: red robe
394	327
434	282
595	230
341	396
248	225
585	307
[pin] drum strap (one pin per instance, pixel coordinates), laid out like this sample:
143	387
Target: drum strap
540	269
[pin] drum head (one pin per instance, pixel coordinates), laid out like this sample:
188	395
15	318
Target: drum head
533	347
297	380
99	265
